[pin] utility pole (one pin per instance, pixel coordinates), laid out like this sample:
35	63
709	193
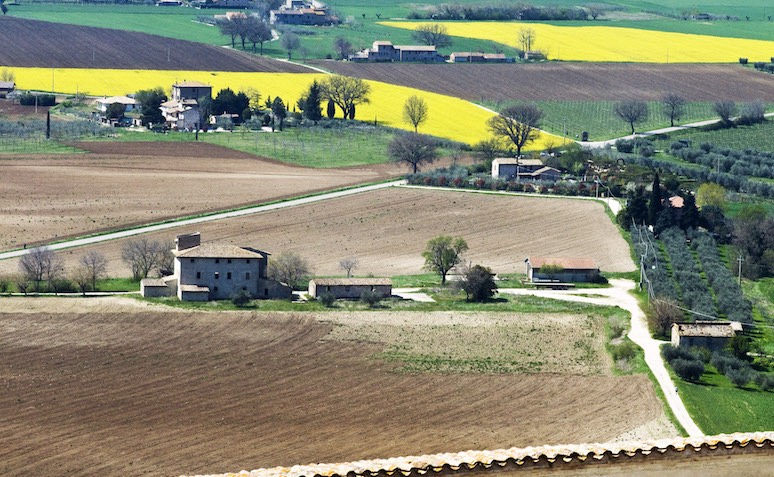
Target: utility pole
740	259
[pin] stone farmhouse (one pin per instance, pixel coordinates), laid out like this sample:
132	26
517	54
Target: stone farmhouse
182	111
350	287
574	269
386	51
712	335
214	271
6	87
523	169
130	104
478	57
299	12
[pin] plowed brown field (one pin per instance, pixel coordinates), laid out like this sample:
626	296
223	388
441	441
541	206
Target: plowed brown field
186	393
570	81
388	230
36	43
119	184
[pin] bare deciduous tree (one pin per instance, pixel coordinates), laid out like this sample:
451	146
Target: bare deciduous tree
82	279
142	256
94	265
349	264
342	47
518	124
7	75
290	41
596	10
753	113
415	111
289	268
725	110
632	111
673	106
258	32
345	92
433	34
36	265
413	149
526	40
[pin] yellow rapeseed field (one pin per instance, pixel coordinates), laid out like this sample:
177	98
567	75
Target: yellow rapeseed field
604	43
449	117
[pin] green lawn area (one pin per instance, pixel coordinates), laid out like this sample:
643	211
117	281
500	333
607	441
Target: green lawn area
718	407
171	22
758	136
598	119
309	147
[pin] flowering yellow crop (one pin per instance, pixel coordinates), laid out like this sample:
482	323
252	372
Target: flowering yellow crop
449	117
604	43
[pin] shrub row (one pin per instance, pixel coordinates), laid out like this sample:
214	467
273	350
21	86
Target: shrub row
740	163
730	299
695	293
688	364
39	99
502	12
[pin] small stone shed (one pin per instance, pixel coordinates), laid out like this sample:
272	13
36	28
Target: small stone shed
712	335
350	287
574	269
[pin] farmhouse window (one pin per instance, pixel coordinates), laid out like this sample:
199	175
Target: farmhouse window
215	289
247	275
346	288
228	276
217	260
217	275
266	292
192	260
247	261
198	274
228	261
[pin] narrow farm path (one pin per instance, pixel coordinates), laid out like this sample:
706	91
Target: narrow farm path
597	144
618	295
207	218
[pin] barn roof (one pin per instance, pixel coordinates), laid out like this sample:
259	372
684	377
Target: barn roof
708	329
566	263
153	282
116	99
521	162
217	250
415	47
7	85
352	281
191	84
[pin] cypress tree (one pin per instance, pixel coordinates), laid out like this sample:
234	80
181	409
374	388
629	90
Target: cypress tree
312	108
331	111
654	205
689	218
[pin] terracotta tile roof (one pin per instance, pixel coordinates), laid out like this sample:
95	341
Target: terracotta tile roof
352	281
216	250
540	457
566	263
706	329
676	201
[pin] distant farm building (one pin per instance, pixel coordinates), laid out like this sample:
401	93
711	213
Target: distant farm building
713	335
130	104
350	287
523	169
222	4
477	57
6	87
298	12
182	111
215	272
571	269
386	51
169	3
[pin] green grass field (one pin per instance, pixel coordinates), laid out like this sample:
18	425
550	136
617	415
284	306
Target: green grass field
598	119
718	407
759	136
308	147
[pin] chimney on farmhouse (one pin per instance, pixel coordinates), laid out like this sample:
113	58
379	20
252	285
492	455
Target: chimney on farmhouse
186	241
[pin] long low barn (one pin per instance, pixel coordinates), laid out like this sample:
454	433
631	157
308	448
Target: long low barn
564	269
350	287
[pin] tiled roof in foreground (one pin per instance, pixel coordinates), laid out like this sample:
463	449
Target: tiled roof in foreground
531	457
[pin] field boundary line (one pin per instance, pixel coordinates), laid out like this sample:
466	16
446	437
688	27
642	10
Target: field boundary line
613	203
250	210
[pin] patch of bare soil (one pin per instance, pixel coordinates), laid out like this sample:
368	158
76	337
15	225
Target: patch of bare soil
388	229
118	394
49	198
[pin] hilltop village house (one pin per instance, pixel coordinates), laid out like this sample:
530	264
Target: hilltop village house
299	12
572	269
386	51
182	111
523	169
350	287
215	271
713	335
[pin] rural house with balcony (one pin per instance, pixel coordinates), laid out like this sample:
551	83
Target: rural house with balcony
386	51
215	271
182	111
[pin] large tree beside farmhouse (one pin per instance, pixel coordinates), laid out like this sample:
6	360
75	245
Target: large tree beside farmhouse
413	149
150	105
518	124
432	34
345	92
442	254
